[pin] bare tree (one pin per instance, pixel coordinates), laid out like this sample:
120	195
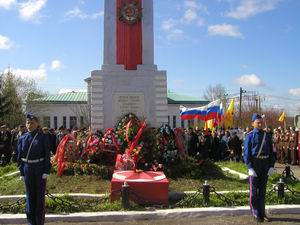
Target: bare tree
82	110
214	92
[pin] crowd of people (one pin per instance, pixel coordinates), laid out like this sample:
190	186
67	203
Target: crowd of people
217	145
229	144
9	139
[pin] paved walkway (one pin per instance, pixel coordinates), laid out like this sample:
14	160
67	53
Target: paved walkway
296	169
211	220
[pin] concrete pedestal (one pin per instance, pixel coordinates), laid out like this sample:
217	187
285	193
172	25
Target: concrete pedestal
114	92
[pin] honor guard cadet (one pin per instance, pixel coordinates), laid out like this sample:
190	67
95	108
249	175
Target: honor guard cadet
259	158
34	164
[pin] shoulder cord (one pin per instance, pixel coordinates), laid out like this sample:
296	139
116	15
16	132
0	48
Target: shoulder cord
29	149
262	144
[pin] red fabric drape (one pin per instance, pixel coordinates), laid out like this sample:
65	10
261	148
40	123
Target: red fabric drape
129	40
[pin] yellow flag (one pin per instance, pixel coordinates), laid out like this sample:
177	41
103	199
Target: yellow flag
228	119
210	125
282	117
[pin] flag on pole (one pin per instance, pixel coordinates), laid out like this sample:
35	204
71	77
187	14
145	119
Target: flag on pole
282	117
210	125
207	112
228	120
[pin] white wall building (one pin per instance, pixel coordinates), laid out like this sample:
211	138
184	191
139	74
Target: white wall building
71	109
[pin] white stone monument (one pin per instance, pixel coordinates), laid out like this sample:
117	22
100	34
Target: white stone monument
128	81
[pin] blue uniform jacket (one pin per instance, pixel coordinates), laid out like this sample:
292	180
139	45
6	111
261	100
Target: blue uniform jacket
252	145
40	149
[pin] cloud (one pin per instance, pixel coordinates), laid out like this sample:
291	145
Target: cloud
56	65
29	10
191	11
294	91
225	30
172	32
194	4
190	15
168	24
249	80
5	43
77	13
245	66
39	74
68	90
7	4
249	8
176	34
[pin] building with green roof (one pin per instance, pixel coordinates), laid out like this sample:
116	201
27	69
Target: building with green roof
71	109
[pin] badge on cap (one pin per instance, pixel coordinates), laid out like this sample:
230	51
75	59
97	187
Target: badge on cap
30	116
256	116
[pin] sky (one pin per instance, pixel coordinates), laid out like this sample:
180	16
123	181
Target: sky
252	44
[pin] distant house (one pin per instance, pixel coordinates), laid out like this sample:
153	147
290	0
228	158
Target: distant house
72	110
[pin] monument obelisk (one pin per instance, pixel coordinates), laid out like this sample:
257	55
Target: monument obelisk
128	81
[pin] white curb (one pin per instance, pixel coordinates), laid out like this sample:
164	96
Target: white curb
10	174
241	175
74	195
151	215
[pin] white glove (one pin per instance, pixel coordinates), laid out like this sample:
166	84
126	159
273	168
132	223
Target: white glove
21	178
252	173
45	176
271	171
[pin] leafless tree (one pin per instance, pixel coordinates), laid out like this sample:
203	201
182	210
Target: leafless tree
214	92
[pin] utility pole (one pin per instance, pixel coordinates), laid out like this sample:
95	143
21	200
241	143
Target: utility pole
241	97
256	103
259	104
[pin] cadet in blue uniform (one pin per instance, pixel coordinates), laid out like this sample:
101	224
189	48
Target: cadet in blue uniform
34	164
258	155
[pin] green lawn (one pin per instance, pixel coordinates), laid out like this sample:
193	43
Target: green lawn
8	169
95	185
237	166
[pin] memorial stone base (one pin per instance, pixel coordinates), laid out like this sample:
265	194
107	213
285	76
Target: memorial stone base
114	92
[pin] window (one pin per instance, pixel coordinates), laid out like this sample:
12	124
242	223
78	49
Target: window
174	122
73	122
182	124
81	121
55	122
46	121
169	120
190	123
65	121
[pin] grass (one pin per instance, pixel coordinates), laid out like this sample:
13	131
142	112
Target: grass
72	205
95	185
8	169
237	166
227	183
65	184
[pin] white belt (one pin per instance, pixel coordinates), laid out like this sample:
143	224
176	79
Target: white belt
262	157
32	161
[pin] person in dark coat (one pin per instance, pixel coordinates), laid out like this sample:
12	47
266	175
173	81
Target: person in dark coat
215	147
207	145
5	144
192	142
16	136
60	135
235	144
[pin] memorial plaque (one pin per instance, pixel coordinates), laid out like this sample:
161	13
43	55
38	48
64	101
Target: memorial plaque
125	103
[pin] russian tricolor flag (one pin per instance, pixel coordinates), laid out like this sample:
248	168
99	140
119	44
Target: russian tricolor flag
208	112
